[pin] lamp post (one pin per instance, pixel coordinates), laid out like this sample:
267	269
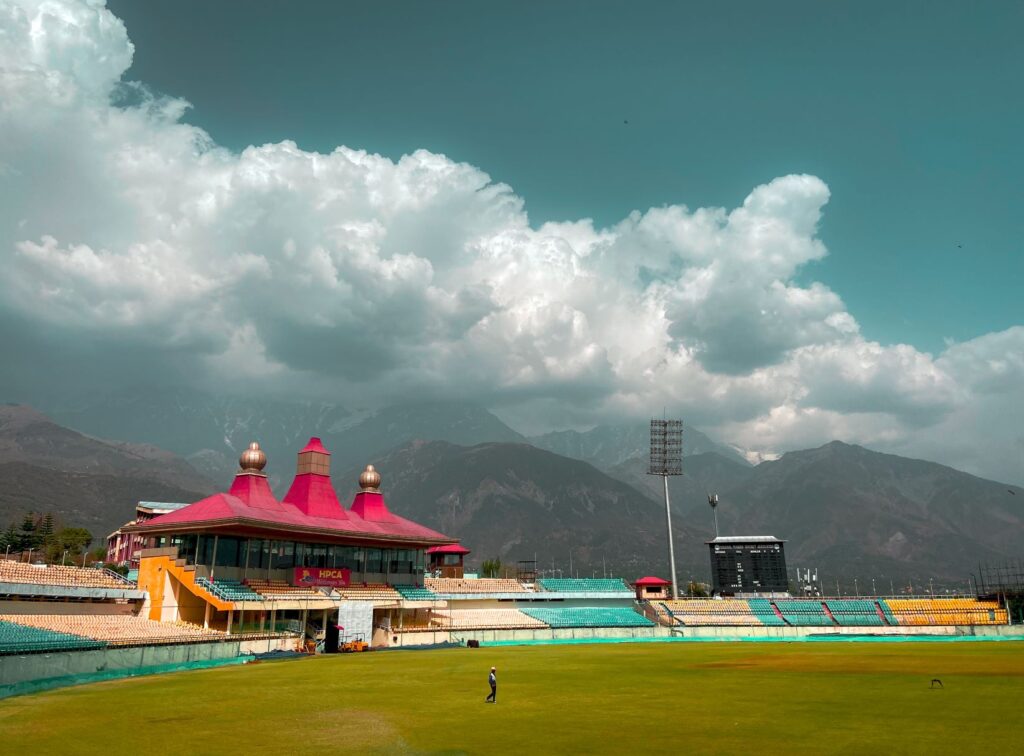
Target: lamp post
713	503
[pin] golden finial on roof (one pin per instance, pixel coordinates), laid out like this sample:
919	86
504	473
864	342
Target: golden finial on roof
253	459
369	480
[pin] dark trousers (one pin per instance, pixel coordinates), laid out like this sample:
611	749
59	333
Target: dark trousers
494	693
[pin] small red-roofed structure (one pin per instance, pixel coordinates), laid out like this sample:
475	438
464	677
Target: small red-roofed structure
447	561
651	588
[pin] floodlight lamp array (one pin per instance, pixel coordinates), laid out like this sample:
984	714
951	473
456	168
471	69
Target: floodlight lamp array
666	447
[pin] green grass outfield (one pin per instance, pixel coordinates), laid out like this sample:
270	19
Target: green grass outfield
621	698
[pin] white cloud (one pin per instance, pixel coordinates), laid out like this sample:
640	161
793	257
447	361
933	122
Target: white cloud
123	228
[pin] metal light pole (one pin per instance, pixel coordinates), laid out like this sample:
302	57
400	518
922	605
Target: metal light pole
713	502
666	460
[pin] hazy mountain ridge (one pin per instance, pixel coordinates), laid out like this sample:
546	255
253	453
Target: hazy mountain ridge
211	431
453	422
90	482
208	430
857	511
845	509
703	474
607	446
99	502
514	500
30	437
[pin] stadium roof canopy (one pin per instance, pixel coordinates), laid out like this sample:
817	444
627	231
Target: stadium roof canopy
310	508
164	506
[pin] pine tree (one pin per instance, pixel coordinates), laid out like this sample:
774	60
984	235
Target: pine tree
46	530
27	537
9	538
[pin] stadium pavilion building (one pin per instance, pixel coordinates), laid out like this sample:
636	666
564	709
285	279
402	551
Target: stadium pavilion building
215	562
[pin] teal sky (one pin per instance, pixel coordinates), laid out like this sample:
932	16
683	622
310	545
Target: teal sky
910	112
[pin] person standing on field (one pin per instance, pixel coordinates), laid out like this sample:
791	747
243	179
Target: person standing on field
493	680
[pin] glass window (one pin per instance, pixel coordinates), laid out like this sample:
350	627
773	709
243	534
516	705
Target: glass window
187	548
401	561
256	549
227	551
345	556
206	550
284	555
374	561
319	555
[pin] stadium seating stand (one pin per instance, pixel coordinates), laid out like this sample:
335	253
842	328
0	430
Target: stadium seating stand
588	617
584	585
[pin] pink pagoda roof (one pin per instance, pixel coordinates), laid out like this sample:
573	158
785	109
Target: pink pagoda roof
448	548
314	445
311	505
313	494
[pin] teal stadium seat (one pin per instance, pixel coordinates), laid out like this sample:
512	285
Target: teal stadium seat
415	593
19	639
804	613
229	590
854	612
887	611
612	616
762	609
584	585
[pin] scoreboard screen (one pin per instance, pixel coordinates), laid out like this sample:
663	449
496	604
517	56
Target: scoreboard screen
755	564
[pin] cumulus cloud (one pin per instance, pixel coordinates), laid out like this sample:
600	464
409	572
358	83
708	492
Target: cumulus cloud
126	232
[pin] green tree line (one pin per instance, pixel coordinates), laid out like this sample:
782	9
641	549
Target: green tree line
50	539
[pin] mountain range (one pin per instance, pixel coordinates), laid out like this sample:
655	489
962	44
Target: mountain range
609	445
211	431
844	509
84	481
517	502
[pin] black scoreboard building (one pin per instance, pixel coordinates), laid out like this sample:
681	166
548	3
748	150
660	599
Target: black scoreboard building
748	564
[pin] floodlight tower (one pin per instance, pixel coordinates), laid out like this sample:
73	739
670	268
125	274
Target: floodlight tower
713	503
666	460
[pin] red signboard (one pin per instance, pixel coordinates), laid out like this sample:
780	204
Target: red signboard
336	577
